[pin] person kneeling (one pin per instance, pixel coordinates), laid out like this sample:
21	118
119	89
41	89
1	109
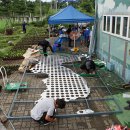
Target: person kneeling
43	112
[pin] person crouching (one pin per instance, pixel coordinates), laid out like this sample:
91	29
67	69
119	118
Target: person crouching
43	112
89	66
45	44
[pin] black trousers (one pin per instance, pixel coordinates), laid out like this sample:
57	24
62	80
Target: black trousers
45	50
42	120
24	30
69	44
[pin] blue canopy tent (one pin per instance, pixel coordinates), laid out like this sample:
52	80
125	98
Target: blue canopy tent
69	15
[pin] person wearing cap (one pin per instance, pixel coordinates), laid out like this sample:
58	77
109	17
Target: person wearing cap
45	44
43	112
60	30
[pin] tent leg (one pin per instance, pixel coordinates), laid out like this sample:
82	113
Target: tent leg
49	30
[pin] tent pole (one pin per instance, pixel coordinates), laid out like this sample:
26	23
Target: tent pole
74	40
49	30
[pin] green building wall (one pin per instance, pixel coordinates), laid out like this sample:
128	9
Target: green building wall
111	48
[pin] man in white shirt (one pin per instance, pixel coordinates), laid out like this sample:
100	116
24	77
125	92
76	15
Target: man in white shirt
43	111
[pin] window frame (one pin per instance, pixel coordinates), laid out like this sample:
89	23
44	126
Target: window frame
120	35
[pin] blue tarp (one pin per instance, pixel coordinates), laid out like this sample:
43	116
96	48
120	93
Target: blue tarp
69	15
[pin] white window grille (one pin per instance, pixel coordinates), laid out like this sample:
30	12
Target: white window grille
117	25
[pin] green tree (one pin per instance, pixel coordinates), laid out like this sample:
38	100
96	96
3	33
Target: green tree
37	8
5	7
88	6
30	7
45	8
19	7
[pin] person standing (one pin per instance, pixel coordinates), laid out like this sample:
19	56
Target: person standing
45	44
69	39
43	112
82	37
87	36
24	26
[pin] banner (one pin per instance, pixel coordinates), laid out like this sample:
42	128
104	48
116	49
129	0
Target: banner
67	1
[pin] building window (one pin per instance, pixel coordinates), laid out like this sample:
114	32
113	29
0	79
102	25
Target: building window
108	23
125	22
104	24
129	30
113	24
117	25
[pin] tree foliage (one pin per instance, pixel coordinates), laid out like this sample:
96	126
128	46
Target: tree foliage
4	7
16	7
11	8
88	6
85	6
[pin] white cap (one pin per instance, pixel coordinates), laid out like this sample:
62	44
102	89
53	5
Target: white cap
64	30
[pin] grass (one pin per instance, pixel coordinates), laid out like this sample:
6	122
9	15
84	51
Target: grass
2	25
4	51
16	36
4	39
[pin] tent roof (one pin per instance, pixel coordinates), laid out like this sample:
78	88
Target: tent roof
69	15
